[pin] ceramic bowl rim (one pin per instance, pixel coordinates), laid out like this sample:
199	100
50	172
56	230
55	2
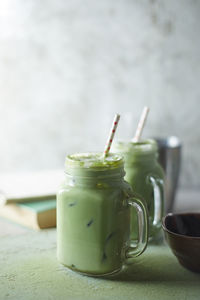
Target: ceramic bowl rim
177	234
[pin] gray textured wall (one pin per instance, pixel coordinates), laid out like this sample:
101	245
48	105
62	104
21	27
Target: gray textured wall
67	66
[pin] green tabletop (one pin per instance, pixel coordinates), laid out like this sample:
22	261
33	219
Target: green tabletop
29	270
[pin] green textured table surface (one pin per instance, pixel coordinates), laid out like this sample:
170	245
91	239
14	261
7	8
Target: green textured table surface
29	270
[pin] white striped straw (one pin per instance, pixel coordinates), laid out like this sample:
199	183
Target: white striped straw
111	135
141	124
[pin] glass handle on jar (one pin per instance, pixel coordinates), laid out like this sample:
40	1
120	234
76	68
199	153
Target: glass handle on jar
157	185
143	226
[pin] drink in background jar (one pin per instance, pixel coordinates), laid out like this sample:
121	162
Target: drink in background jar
146	177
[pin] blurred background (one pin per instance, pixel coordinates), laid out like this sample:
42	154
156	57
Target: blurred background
66	67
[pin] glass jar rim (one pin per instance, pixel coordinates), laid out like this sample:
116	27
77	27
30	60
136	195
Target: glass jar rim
94	161
148	146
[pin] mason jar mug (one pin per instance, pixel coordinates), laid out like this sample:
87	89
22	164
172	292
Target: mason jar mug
146	177
93	216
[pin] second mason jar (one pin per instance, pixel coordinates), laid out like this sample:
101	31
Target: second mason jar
93	216
146	177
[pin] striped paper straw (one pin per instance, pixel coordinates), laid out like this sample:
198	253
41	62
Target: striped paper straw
141	124
111	135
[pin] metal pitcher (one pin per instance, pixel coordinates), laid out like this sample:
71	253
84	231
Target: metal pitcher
170	158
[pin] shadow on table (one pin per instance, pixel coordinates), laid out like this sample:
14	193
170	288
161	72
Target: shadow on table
156	264
156	273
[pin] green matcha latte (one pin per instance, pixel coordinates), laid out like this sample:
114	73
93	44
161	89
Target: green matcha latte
145	175
93	214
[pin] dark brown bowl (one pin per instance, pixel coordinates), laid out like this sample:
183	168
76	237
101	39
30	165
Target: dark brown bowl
182	232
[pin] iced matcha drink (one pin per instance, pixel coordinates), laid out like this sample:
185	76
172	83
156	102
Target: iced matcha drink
93	215
145	176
